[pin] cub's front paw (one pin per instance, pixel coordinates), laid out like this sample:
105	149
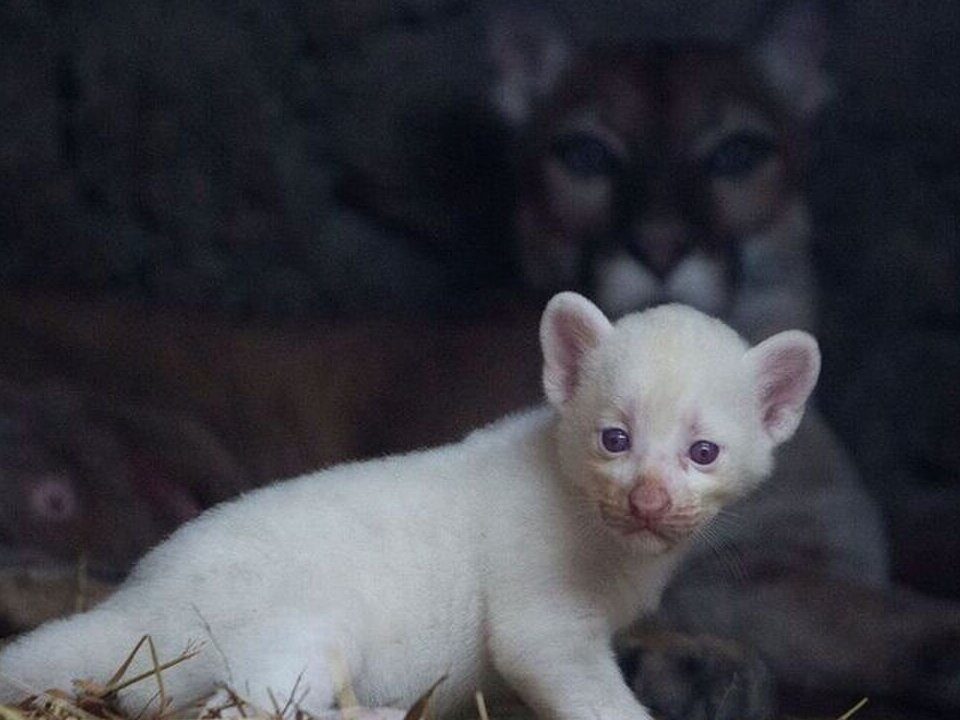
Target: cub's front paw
682	677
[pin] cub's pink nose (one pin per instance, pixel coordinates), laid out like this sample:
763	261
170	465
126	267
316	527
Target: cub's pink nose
649	501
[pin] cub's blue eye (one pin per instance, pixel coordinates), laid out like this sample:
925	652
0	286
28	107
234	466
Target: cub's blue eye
614	440
704	452
739	155
585	155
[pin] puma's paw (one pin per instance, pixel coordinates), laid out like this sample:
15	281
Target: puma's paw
681	677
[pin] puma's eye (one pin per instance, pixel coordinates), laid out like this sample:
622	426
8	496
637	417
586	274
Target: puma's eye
615	440
704	452
585	155
739	155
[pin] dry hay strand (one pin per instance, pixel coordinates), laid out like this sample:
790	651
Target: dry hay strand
854	710
92	700
97	701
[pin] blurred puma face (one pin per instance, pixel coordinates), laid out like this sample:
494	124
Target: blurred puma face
642	169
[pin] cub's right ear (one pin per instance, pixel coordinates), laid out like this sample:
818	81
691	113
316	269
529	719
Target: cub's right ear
529	52
571	326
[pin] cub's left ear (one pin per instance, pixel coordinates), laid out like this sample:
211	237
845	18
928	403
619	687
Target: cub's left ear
785	370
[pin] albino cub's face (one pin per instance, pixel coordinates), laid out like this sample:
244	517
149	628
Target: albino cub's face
668	415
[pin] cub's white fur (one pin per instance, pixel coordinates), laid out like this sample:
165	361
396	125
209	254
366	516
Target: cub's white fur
505	562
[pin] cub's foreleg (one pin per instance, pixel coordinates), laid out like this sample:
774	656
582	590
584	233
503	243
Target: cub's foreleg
564	669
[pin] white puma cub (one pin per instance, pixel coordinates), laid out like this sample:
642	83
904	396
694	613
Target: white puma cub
505	562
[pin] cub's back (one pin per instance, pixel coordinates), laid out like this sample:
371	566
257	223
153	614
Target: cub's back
373	529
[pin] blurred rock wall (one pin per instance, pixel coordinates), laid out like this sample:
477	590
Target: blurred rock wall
277	157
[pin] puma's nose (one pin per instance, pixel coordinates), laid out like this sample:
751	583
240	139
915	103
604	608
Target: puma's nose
649	501
662	243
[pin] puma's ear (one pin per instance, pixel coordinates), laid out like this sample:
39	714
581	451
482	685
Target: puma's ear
790	53
785	369
571	326
529	52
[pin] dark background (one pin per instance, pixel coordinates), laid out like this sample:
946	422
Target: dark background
295	160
